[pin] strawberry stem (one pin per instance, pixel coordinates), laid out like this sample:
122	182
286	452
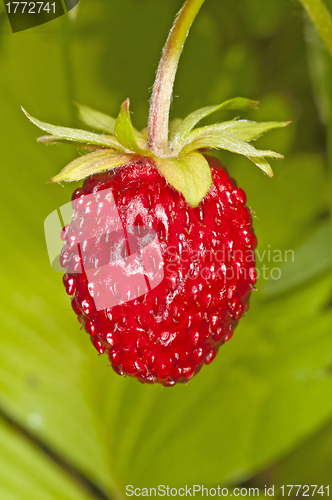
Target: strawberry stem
163	85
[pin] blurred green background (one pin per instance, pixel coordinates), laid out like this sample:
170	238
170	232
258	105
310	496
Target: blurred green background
261	414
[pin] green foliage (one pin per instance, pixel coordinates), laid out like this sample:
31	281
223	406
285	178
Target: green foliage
266	399
26	473
312	258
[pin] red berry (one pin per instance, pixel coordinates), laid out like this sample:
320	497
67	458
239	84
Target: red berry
167	333
159	253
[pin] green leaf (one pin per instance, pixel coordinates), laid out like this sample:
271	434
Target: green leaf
241	129
96	119
190	175
247	375
278	223
72	134
237	103
300	468
26	472
127	135
44	357
313	257
92	163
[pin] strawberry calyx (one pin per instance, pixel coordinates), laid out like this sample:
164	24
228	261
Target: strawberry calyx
174	148
185	168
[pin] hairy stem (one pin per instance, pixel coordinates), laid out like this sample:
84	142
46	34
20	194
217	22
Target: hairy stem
163	85
321	18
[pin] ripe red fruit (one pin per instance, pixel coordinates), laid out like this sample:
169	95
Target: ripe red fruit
167	334
160	180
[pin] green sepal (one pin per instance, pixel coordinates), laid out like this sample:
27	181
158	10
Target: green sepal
174	126
262	164
231	143
53	139
125	133
191	175
186	170
245	130
72	134
92	163
96	119
237	103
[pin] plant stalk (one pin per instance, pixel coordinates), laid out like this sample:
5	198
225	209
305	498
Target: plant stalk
329	145
163	85
321	18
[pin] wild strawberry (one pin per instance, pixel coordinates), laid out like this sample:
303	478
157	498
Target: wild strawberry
172	306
